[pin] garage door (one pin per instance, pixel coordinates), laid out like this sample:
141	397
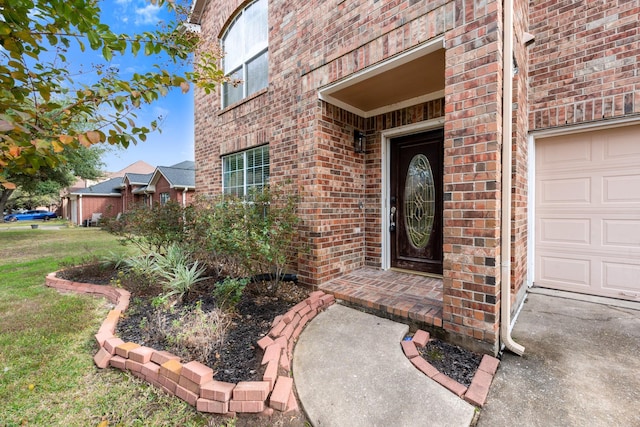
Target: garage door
587	230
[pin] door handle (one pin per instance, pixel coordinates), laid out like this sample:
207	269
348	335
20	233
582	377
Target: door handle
392	219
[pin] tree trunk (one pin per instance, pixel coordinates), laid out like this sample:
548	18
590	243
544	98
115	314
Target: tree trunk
4	196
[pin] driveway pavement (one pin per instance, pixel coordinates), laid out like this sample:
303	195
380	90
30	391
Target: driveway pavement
581	367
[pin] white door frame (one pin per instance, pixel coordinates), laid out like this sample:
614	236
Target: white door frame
386	137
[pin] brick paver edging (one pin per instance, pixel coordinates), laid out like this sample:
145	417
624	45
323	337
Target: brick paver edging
476	393
193	382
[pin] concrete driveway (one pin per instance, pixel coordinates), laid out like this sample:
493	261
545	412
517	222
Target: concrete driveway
581	367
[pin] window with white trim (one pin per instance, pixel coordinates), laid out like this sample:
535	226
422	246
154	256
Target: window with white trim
245	171
246	44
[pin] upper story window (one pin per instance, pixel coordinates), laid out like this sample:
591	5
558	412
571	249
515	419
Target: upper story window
245	44
245	171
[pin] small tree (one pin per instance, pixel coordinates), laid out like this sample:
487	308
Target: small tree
272	224
41	96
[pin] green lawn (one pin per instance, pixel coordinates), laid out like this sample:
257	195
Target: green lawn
47	375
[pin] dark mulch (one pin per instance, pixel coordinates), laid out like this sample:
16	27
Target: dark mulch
453	361
238	359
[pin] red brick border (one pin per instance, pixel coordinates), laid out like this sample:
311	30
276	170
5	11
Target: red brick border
476	393
193	382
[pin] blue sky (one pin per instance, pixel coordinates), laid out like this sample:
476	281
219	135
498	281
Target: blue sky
175	143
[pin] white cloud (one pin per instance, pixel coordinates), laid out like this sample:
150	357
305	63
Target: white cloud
147	15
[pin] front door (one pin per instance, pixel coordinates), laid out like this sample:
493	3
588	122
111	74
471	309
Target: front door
416	202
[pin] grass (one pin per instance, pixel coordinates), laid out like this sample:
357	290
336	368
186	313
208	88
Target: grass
47	375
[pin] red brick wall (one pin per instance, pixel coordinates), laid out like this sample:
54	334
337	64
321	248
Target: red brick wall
520	152
313	43
321	43
584	62
163	186
473	94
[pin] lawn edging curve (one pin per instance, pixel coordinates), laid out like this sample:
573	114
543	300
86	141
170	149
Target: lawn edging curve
475	394
193	381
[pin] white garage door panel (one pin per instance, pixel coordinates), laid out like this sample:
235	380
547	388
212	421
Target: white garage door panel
587	227
617	146
573	153
619	277
568	271
622	233
621	189
565	230
565	191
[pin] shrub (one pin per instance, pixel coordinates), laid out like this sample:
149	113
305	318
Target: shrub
240	238
273	228
229	292
142	266
151	229
178	281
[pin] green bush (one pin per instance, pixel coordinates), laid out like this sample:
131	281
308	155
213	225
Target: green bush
179	280
151	229
229	292
227	235
246	237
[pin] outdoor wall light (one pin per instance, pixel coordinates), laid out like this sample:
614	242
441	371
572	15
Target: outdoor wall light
358	141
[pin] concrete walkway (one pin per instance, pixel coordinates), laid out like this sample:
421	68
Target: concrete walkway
350	370
581	366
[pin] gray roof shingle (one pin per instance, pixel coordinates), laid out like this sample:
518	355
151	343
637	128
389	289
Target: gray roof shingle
110	187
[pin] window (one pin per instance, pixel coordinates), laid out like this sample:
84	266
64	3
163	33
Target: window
245	44
242	172
164	198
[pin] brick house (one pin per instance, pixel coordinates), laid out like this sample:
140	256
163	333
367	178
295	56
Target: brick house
119	194
490	145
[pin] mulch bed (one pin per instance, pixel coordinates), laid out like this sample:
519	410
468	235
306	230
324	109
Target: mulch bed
453	361
238	359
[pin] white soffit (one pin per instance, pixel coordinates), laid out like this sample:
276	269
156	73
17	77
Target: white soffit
409	78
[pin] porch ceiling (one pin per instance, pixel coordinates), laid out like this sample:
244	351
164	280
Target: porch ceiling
410	78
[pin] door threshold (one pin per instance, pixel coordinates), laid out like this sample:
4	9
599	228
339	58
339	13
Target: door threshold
417	273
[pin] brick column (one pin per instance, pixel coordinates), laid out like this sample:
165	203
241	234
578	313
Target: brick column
473	91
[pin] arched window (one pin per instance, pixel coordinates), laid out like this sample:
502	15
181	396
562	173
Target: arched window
245	44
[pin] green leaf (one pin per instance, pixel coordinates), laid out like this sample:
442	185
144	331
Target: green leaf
5	29
106	52
94	40
135	47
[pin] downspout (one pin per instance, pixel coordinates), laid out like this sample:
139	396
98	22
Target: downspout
505	240
184	197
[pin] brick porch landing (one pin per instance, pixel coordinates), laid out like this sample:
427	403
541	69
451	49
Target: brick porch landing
405	297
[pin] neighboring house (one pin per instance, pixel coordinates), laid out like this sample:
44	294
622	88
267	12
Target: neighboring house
66	210
103	198
409	148
134	190
120	194
177	182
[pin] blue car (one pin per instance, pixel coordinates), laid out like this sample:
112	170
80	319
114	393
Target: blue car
31	215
